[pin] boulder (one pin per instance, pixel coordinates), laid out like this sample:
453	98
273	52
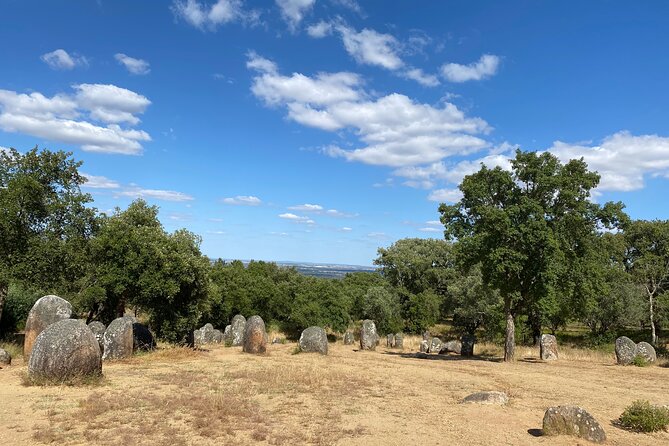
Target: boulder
574	421
217	336
646	351
451	347
5	357
204	335
467	342
435	345
399	340
98	329
424	346
227	334
488	397
255	337
237	330
348	338
390	341
65	350
118	339
46	311
368	336
625	350
314	339
548	348
142	338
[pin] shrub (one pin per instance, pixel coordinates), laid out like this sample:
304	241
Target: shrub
642	416
640	361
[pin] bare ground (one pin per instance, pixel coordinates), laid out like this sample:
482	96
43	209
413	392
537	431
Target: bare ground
223	396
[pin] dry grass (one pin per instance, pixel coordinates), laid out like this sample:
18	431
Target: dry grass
88	380
14	350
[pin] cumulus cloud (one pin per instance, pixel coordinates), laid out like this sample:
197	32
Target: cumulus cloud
62	60
395	130
243	200
428	80
65	117
99	182
306	207
320	29
297	218
371	48
158	194
134	66
445	195
205	16
484	68
293	11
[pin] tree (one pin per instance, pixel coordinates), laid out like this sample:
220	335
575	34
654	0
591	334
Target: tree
45	222
524	227
383	307
648	262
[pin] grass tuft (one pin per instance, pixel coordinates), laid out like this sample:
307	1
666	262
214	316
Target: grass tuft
90	380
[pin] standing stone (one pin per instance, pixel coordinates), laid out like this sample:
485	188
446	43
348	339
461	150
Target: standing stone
142	338
390	341
5	357
399	341
98	329
227	334
348	338
46	311
467	342
255	337
118	339
426	336
548	347
574	421
204	335
451	347
237	330
314	339
217	336
435	345
646	351
368	336
424	346
64	350
625	350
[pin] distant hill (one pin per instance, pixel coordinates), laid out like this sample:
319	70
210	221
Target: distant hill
320	269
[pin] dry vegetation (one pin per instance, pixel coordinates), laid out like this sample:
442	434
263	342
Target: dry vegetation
221	396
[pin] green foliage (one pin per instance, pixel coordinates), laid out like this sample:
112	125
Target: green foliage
640	361
384	308
17	306
474	305
642	416
419	311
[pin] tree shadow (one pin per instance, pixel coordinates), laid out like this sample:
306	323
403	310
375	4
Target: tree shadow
439	357
536	432
532	360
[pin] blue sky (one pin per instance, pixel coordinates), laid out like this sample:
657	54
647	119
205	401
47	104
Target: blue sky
320	130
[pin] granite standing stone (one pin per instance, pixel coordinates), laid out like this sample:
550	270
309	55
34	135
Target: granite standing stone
574	421
255	337
625	350
237	330
548	348
646	351
46	311
427	336
204	335
98	329
348	338
118	339
64	350
467	342
5	357
435	345
451	347
390	341
314	340
399	341
217	336
368	336
227	334
424	346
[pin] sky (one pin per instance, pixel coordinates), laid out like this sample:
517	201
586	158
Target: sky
321	130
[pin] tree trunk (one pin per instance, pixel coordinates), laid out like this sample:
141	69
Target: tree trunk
653	334
510	341
4	288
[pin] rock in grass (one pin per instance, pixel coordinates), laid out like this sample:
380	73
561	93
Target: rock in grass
451	347
435	345
314	340
203	335
368	336
65	350
548	348
98	329
390	341
5	357
427	336
237	329
467	342
399	340
348	338
646	351
46	311
574	421
217	336
625	350
424	346
142	338
118	339
227	335
488	397
255	337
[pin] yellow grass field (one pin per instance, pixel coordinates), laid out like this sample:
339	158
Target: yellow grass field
225	397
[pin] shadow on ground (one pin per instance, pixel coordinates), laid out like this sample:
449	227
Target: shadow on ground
433	357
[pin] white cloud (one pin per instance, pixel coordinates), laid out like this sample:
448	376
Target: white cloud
445	195
485	67
349	4
99	182
428	80
297	218
371	48
293	11
243	200
346	229
336	213
158	194
320	29
429	229
204	16
306	207
111	104
62	60
622	159
134	66
396	130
